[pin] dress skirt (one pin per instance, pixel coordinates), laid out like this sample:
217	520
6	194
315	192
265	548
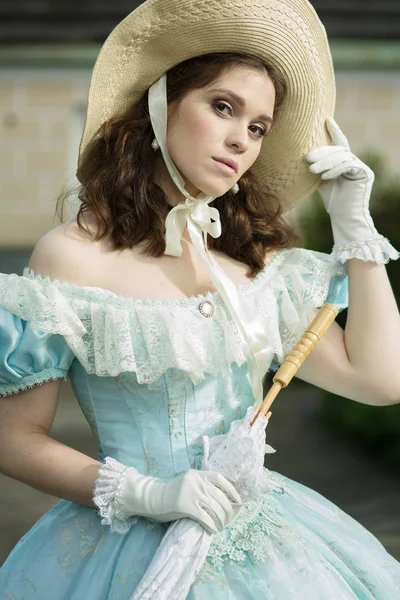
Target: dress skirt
290	544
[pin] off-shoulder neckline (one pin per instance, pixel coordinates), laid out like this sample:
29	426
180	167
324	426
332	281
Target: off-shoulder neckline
93	293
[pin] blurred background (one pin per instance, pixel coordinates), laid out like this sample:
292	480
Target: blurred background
346	451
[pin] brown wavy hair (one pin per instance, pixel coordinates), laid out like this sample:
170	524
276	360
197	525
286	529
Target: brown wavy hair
118	188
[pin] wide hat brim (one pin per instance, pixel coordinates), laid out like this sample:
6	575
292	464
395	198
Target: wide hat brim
285	34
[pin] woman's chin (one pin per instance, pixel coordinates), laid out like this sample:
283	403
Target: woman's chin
214	191
214	188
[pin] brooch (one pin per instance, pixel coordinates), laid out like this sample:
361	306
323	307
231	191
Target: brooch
207	308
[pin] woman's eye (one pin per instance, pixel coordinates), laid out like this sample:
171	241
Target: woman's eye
261	131
219	106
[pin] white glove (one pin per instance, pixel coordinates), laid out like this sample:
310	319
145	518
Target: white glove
346	190
204	496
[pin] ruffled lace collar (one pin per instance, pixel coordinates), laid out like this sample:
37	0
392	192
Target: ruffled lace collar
111	334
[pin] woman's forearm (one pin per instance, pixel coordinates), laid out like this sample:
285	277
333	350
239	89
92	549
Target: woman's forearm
372	333
49	466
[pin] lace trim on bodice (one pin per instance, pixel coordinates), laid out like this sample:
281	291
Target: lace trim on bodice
110	334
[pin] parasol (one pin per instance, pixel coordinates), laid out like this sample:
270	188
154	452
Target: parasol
239	456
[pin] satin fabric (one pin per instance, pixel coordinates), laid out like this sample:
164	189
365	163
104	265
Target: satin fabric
29	356
292	545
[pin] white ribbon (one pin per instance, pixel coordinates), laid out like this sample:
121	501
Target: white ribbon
202	219
200	213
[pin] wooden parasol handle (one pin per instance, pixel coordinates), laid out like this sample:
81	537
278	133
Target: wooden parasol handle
297	356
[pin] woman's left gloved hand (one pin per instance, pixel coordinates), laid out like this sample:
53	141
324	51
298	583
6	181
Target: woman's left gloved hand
346	184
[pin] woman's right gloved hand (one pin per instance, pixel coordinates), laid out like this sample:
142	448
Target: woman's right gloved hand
204	496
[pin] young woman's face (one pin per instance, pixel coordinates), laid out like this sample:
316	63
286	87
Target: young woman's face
224	121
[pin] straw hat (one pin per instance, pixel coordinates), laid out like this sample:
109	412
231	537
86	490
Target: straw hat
285	34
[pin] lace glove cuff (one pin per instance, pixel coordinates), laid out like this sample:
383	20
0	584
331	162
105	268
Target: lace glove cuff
105	496
377	249
357	237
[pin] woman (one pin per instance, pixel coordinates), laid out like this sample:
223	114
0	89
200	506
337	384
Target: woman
166	340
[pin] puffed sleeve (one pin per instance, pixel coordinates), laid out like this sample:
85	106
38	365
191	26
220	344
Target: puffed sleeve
308	280
28	356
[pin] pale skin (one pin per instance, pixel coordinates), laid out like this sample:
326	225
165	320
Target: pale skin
359	363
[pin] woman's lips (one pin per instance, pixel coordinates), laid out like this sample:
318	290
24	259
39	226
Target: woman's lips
225	168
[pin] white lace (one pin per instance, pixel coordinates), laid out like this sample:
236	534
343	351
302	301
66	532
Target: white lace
378	250
110	334
239	456
105	492
176	563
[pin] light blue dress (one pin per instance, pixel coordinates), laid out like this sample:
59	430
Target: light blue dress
151	378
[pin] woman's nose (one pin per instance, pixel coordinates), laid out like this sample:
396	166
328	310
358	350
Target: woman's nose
239	139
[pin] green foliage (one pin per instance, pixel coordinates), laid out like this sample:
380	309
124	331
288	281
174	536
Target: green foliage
376	429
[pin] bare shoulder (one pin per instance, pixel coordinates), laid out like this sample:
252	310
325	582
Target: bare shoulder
269	256
68	254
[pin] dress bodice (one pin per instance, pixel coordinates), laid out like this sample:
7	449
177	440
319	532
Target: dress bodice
152	377
158	427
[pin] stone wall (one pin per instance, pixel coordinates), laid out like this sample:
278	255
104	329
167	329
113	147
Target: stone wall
42	114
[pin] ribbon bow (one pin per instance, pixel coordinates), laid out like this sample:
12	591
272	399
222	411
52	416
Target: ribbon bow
200	214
